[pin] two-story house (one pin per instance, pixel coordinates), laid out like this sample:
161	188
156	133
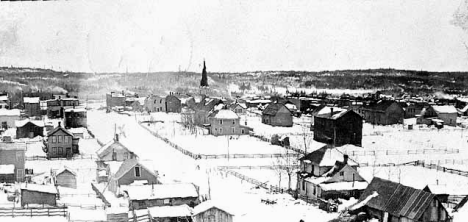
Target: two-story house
12	159
155	103
173	103
226	122
277	114
383	112
8	117
328	173
338	128
114	99
56	107
433	114
61	143
32	106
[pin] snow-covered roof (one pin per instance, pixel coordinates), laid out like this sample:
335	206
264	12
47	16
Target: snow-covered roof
170	211
259	101
317	180
4	98
356	185
21	123
12	146
10	112
79	214
204	206
31	100
39	188
78	130
76	110
225	114
160	191
7	169
63	169
290	106
327	157
444	109
364	202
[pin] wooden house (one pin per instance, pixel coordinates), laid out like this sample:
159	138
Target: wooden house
29	128
433	114
156	195
114	99
180	213
155	103
226	122
203	110
4	101
383	112
338	128
65	177
173	103
328	173
32	106
130	171
115	151
56	107
61	143
211	211
75	118
35	194
8	117
276	114
238	108
12	161
393	202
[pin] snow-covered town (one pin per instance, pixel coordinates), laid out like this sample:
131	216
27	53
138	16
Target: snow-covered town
196	157
234	111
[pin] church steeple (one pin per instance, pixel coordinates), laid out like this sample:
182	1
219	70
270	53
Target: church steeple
204	80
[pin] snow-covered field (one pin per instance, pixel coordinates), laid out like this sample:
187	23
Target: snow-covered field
270	177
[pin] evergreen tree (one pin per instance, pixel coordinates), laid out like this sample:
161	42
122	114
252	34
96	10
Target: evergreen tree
204	80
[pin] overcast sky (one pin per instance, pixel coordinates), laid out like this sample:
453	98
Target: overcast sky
232	35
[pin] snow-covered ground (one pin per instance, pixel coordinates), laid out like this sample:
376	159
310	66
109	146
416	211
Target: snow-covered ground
270	177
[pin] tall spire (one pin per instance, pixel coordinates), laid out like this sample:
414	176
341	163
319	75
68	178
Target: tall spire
204	80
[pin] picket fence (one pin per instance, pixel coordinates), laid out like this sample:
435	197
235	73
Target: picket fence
33	212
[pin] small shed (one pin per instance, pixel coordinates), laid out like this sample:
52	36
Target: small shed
211	211
65	177
29	128
45	195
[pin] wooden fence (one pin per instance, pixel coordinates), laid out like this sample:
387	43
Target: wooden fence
267	167
33	212
215	156
439	168
140	218
255	182
265	139
401	152
79	157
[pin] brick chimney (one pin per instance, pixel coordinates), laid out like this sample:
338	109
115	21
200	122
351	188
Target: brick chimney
331	111
345	158
116	137
59	124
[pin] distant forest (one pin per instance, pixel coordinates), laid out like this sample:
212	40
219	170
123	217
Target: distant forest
21	81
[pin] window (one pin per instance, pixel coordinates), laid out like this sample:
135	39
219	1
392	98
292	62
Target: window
166	201
54	139
19	157
221	121
303	185
114	155
126	155
54	150
342	173
60	139
233	122
4	125
220	130
137	171
242	130
60	151
66	139
233	130
19	174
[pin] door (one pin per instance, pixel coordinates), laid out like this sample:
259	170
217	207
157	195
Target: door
69	152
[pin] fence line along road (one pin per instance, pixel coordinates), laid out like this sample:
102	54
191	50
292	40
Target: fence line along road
33	212
215	156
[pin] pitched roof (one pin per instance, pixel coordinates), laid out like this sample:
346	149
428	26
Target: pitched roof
39	188
444	109
273	108
21	123
57	129
127	165
109	147
204	206
63	169
397	199
327	157
381	105
337	115
224	114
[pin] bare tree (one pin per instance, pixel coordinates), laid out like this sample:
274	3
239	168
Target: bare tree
307	138
286	163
